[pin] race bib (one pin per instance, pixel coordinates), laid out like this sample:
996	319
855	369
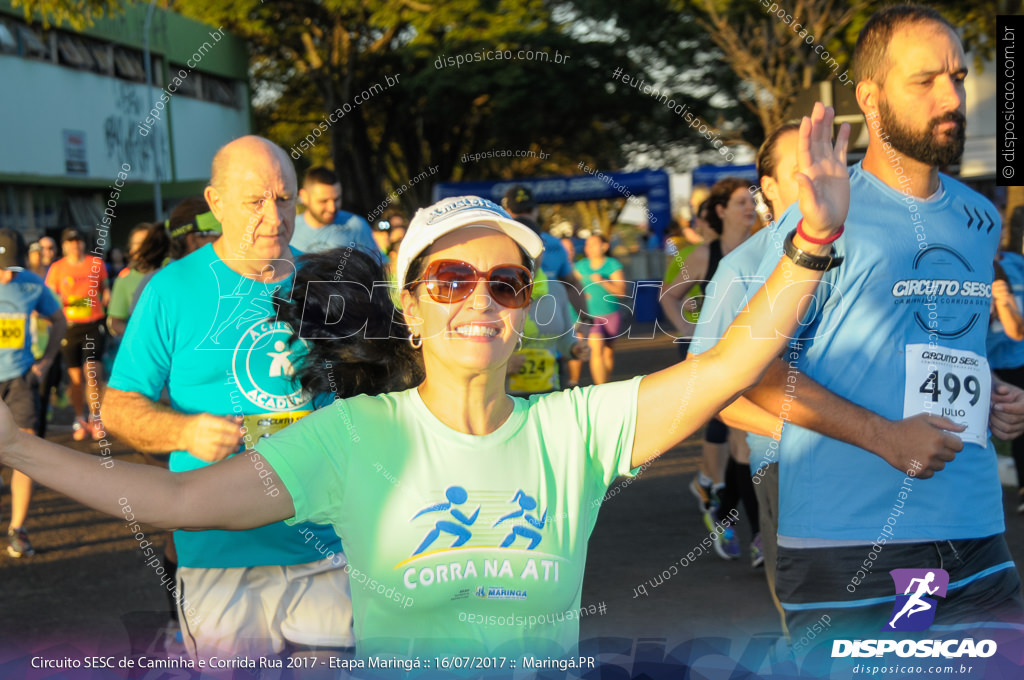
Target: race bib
12	331
78	309
538	373
953	383
265	424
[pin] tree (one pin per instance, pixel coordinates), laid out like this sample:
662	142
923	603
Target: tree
76	13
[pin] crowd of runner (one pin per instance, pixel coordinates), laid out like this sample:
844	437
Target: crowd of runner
437	433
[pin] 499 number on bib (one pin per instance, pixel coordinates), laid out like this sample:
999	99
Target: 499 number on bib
953	383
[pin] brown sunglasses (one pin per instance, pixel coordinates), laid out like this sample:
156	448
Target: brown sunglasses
449	281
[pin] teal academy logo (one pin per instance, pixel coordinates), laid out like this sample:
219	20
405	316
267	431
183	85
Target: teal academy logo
264	366
949	302
498	593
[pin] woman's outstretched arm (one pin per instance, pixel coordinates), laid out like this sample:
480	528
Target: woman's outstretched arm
675	402
227	495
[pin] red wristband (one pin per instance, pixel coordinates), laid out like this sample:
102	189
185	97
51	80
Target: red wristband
818	241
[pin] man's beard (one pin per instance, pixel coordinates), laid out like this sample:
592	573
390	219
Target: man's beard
324	216
924	146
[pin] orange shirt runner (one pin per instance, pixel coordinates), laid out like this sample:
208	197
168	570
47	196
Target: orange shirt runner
79	288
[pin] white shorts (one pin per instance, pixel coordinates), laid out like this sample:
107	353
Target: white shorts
255	611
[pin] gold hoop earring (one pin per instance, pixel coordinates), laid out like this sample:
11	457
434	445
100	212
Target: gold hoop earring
415	340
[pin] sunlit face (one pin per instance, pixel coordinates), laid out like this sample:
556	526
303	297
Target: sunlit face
476	334
73	249
781	188
739	213
922	105
594	247
256	206
49	250
322	201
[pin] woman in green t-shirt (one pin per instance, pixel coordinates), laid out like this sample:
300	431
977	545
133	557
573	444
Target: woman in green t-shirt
602	282
464	512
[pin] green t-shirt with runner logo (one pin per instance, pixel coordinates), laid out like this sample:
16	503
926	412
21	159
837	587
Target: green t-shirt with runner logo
455	540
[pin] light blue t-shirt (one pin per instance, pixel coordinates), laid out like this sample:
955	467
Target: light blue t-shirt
1004	352
900	330
221	353
555	263
347	230
728	293
26	293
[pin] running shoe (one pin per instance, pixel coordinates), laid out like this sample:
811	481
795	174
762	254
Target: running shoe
19	543
79	429
703	494
756	552
726	544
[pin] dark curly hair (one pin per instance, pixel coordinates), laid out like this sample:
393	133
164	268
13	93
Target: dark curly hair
356	335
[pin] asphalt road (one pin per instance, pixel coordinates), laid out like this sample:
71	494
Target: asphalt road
88	586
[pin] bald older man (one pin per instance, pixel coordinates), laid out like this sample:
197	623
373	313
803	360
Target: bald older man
206	329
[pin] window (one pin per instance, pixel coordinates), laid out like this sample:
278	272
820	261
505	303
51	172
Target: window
32	44
104	56
128	64
8	43
190	86
73	52
220	91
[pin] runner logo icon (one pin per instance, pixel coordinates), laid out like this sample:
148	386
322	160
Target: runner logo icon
914	610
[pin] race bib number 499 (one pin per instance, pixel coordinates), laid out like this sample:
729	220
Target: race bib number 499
953	383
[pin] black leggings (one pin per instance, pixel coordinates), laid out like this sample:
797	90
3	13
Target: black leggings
739	486
1015	376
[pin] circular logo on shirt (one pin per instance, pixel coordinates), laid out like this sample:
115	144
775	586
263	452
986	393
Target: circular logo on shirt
950	297
264	366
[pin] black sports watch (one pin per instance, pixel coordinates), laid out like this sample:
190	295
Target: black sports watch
801	258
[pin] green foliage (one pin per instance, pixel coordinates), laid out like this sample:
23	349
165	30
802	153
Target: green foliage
76	13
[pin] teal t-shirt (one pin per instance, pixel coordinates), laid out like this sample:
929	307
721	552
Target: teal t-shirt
209	335
455	540
599	301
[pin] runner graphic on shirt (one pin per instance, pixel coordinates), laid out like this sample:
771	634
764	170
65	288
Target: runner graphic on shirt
247	307
456	495
526	504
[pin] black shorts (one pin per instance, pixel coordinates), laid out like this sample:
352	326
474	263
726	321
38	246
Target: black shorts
717	432
21	395
852	587
84	341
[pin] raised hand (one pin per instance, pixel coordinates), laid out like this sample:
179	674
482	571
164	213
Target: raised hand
823	177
